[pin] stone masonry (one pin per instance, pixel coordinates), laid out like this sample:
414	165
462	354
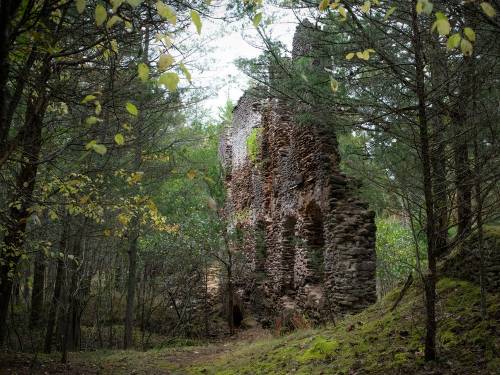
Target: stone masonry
307	241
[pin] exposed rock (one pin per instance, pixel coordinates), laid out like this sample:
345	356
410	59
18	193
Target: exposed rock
309	242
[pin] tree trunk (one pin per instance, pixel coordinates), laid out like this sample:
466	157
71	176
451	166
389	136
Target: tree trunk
425	154
131	285
19	213
8	8
37	293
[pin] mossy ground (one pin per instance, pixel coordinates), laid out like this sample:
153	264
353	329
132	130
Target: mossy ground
376	341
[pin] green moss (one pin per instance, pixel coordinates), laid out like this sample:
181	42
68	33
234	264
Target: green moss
320	349
253	144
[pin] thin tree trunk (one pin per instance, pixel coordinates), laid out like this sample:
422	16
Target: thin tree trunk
430	278
37	293
131	286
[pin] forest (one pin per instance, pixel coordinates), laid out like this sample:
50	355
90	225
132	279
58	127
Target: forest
336	211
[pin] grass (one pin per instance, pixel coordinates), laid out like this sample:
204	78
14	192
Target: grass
376	341
381	342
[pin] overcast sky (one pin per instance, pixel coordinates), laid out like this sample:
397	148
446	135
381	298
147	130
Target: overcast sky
229	43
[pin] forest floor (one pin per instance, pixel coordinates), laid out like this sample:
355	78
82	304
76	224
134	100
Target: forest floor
376	341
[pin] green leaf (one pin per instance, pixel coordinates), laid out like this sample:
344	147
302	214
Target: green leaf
257	19
195	17
165	61
112	21
100	149
91	120
132	109
134	3
116	4
466	47
389	13
80	6
453	41
470	34
441	24
100	14
424	6
93	145
166	12
488	9
119	139
143	72
170	79
185	71
334	84
88	98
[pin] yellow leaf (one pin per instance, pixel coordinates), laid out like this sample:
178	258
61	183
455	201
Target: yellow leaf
365	8
88	98
349	56
100	14
488	9
143	72
132	109
324	5
91	120
334	84
441	24
116	4
470	34
424	6
134	3
165	62
80	6
389	13
114	46
257	19
453	41
112	21
119	139
343	12
170	79
466	47
185	71
98	107
191	174
195	17
124	219
166	12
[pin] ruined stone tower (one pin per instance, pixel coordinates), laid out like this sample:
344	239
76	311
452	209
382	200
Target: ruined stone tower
307	241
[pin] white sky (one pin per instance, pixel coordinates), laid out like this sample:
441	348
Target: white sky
230	42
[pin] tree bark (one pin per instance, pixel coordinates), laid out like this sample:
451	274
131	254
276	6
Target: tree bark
19	213
56	297
37	293
131	286
425	154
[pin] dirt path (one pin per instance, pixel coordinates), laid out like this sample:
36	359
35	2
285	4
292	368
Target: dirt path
163	361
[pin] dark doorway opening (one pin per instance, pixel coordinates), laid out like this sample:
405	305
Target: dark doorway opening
237	316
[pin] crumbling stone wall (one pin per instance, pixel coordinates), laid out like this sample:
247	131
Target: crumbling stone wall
308	241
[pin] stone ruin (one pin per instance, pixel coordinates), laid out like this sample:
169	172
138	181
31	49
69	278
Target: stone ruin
306	240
